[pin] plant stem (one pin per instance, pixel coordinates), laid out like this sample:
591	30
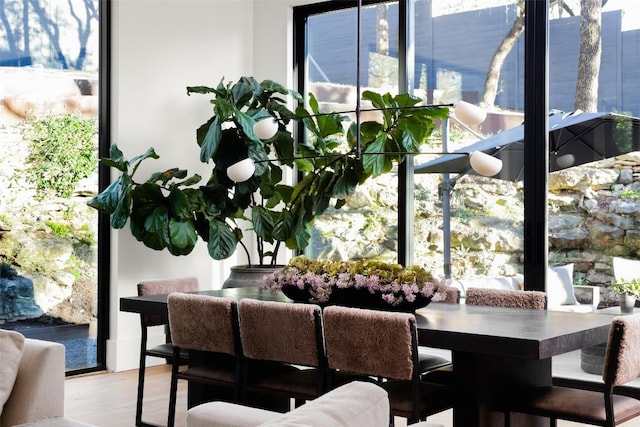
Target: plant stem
246	251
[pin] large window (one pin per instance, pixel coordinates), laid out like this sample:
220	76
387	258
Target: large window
366	226
466	225
49	118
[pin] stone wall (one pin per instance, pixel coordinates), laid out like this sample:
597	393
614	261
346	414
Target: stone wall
62	266
594	215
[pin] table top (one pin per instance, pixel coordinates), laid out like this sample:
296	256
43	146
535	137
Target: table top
531	334
511	332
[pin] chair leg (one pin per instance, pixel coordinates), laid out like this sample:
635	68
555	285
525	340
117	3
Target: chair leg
507	419
141	375
173	392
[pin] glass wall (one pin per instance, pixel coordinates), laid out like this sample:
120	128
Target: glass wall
49	63
466	224
366	226
593	69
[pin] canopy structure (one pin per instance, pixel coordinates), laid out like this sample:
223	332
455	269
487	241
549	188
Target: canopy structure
574	139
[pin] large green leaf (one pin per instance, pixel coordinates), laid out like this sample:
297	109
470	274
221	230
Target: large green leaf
211	140
123	208
222	240
157	221
283	226
243	91
262	223
301	238
179	206
375	164
108	199
183	235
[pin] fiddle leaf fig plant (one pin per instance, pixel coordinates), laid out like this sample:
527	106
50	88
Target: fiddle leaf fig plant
171	210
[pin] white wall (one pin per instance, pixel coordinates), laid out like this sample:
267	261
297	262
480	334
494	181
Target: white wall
158	49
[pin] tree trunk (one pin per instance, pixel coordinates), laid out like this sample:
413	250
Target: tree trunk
490	89
589	59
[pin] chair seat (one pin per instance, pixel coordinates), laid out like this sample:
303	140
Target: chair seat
582	406
428	362
436	397
301	383
443	375
165	351
212	375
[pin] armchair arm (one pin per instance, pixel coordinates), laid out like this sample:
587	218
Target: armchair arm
586	294
39	388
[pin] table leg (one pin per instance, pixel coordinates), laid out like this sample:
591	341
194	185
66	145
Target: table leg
479	378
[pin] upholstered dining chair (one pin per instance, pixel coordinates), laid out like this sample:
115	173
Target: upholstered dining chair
284	333
384	345
208	324
505	298
165	350
603	407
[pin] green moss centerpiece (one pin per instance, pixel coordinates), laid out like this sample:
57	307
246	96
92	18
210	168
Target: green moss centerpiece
362	283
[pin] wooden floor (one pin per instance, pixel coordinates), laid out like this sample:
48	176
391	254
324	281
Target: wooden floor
109	400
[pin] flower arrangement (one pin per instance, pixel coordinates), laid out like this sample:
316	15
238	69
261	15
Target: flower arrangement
323	282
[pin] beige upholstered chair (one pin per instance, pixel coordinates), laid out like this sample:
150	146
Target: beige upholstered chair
208	324
288	334
503	298
602	408
163	351
384	345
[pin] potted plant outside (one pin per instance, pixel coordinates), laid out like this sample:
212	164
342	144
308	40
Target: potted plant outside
629	292
171	210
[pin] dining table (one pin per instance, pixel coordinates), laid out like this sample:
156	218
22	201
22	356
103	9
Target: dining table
493	349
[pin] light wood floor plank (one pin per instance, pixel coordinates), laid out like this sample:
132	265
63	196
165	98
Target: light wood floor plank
109	399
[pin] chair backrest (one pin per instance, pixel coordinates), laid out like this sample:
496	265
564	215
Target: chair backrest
371	342
624	268
165	286
204	323
622	358
535	300
282	332
452	295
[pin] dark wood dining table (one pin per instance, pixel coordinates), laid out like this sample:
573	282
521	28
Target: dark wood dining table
493	349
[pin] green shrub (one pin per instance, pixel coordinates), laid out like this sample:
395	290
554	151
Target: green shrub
60	230
62	151
629	194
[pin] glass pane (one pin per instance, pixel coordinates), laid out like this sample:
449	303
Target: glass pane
593	184
48	120
366	226
468	225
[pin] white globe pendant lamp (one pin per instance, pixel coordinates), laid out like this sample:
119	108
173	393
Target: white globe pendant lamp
265	128
469	114
484	164
241	171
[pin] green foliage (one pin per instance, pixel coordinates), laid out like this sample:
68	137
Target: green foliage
626	286
629	194
168	211
61	230
7	271
62	151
